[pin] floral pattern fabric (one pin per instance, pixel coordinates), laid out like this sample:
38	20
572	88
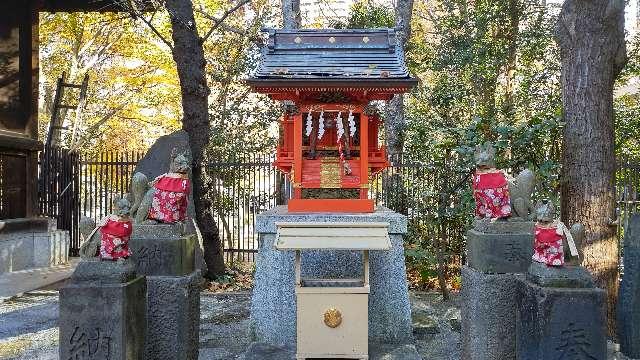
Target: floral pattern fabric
169	204
114	236
491	192
547	248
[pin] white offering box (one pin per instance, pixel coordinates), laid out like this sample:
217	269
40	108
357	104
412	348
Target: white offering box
332	314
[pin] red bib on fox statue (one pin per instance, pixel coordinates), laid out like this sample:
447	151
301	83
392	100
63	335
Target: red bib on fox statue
115	235
547	248
170	198
491	192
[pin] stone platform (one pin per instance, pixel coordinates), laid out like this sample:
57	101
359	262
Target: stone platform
273	305
488	315
165	254
102	312
561	322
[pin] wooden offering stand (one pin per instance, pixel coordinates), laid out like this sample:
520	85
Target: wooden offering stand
332	314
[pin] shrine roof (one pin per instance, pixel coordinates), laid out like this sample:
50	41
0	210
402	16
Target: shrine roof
330	58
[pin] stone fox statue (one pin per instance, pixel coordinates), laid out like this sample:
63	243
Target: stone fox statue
109	239
551	237
164	200
497	194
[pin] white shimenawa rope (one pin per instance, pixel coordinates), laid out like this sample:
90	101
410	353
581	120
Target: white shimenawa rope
352	124
309	124
321	125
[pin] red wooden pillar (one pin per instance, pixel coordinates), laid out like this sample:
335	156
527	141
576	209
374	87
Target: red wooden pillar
364	156
297	156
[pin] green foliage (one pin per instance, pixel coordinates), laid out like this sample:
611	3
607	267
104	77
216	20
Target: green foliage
366	14
489	71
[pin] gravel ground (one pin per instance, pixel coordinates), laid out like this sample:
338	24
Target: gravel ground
28	328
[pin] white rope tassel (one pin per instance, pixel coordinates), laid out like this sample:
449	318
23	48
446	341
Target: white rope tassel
321	125
565	231
352	124
309	124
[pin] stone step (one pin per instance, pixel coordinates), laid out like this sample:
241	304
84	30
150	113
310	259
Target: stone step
18	282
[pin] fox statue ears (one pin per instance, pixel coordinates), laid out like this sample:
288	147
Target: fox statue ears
546	208
486	148
176	153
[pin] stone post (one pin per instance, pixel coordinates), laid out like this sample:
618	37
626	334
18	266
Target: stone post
273	304
102	312
166	256
498	253
629	296
561	315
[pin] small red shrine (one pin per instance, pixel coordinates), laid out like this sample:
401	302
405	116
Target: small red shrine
329	142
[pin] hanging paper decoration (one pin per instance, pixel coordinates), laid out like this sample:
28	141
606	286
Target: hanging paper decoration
321	125
339	129
352	124
309	124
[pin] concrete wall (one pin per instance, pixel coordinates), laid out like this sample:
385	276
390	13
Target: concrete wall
32	248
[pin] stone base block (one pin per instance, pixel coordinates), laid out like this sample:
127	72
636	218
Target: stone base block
488	315
273	304
162	250
263	351
103	319
503	226
499	253
629	304
561	323
567	276
173	319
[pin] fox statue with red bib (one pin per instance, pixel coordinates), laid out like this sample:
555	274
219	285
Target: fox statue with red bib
165	199
497	194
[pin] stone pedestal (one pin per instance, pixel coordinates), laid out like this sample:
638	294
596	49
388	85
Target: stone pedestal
629	297
488	315
166	257
273	305
561	322
498	254
500	247
102	312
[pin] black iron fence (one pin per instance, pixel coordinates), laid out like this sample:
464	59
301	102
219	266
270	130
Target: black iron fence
72	186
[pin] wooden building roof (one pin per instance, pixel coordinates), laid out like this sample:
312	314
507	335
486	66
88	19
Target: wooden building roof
93	5
328	58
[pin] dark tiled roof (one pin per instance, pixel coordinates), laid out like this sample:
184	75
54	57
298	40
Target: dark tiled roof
360	58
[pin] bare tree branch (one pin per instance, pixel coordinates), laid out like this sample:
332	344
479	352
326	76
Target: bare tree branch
219	21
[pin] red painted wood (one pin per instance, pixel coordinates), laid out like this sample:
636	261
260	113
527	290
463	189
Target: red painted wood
331	205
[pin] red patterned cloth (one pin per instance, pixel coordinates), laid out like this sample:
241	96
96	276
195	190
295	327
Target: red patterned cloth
491	191
115	235
169	204
547	247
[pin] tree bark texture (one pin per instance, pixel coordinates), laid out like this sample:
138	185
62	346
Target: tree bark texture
291	17
395	122
190	62
590	34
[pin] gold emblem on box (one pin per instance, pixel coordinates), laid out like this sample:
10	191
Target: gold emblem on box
332	318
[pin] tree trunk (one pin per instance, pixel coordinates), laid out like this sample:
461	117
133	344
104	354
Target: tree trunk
394	122
590	34
515	12
291	17
190	62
